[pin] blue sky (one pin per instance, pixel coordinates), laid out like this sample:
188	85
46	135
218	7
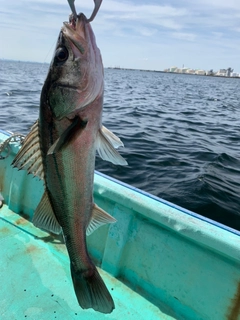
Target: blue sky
150	34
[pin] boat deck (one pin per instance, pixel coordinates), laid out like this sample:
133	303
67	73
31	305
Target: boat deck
36	282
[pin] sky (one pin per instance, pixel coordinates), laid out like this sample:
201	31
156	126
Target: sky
150	34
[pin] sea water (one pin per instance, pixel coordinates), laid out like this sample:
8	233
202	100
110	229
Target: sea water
181	132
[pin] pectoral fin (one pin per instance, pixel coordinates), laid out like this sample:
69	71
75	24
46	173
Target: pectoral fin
99	218
29	156
106	144
74	129
44	217
111	137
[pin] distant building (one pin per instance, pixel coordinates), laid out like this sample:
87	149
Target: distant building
229	71
172	69
183	70
222	72
200	72
234	74
210	73
190	71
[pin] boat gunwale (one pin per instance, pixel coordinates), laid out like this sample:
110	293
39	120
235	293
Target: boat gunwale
161	200
170	204
169	216
201	230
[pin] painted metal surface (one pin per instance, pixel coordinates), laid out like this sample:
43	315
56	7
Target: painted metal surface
184	265
36	282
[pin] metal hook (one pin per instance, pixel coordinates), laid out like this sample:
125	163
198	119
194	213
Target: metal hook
95	10
72	7
93	15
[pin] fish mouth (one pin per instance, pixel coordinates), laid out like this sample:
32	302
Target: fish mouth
77	25
77	32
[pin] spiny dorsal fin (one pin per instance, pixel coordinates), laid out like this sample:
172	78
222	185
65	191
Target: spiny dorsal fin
106	144
99	218
44	217
29	156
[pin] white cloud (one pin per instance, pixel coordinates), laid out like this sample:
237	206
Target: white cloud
145	14
129	30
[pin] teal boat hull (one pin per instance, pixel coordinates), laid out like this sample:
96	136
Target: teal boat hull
159	260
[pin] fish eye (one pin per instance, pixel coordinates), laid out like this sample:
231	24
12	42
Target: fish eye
61	55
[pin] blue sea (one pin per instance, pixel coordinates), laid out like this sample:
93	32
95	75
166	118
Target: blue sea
181	132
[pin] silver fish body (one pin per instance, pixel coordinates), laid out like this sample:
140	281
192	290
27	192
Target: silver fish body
61	149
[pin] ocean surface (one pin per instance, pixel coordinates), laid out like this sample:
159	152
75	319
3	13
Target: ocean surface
181	132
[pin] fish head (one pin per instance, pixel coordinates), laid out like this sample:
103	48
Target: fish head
75	77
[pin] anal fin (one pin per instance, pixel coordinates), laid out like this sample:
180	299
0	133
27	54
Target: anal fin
44	217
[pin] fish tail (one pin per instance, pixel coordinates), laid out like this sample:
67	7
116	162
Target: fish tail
91	291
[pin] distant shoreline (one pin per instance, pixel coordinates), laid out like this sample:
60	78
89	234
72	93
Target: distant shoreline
131	69
184	74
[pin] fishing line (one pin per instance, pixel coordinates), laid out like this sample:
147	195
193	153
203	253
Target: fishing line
47	55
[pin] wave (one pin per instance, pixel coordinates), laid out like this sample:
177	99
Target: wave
181	133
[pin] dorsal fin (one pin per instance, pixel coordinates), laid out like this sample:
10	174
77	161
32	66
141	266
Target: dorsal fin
29	156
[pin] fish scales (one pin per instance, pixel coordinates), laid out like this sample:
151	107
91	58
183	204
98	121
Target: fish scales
69	131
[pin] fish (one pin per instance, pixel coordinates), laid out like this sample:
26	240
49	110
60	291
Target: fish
60	149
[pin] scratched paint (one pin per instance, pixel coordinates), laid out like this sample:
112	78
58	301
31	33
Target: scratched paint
21	221
234	308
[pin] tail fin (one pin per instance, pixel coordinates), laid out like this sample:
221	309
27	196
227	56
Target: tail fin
92	292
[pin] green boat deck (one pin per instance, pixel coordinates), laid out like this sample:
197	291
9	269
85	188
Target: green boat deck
159	261
37	282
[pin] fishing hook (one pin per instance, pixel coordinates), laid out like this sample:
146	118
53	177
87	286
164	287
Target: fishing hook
97	4
95	10
72	7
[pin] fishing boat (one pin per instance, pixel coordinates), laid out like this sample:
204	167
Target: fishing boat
159	261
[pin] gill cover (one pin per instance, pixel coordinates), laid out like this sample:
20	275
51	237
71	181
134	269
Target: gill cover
76	72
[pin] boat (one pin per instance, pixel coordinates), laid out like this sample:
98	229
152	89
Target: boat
159	261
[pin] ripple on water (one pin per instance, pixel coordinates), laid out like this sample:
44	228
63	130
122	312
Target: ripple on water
181	133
